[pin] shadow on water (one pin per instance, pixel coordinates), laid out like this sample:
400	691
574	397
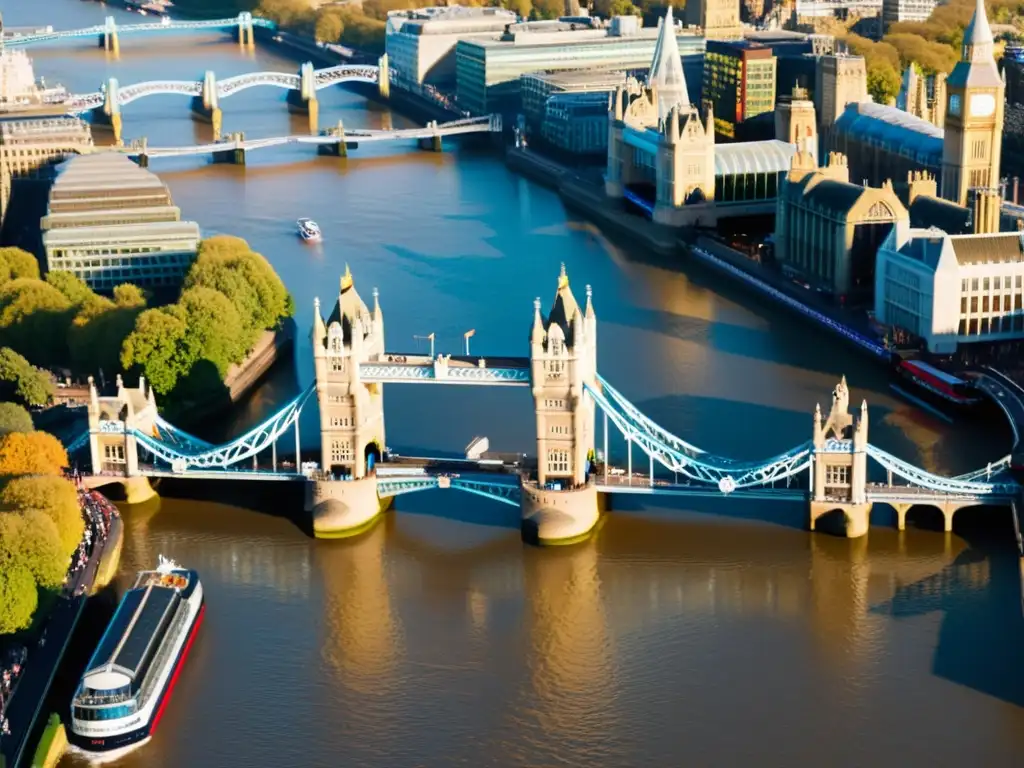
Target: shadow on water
979	595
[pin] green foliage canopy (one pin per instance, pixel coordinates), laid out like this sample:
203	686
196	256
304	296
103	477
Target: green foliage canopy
14	418
22	381
55	497
18	597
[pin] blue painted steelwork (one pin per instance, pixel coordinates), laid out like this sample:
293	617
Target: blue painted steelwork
245	447
638	201
172	435
24	41
505	492
919	477
427	374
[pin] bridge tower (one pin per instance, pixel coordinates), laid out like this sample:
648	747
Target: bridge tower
562	506
839	465
303	100
351	413
113	448
245	30
108	38
206	106
109	113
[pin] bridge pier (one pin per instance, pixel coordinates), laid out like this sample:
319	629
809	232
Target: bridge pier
551	518
383	77
303	100
344	508
245	31
108	40
338	148
233	152
108	115
433	143
206	106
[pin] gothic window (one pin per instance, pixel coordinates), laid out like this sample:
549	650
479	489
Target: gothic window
880	211
114	453
556	346
338	364
555	368
341	451
334	339
558	461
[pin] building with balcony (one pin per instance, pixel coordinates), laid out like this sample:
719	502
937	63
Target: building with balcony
489	72
110	222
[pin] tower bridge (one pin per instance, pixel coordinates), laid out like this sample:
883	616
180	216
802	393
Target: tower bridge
353	482
205	94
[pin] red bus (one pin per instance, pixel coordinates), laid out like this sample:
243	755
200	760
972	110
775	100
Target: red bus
929	379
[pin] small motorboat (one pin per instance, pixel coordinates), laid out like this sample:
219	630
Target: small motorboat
309	230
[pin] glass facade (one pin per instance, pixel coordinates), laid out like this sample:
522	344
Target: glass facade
577	122
739	83
488	72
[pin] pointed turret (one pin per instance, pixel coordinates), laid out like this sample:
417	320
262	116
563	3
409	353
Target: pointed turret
666	74
819	426
94	396
978	40
590	304
537	333
319	329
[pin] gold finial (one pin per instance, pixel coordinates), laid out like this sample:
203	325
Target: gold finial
346	279
563	278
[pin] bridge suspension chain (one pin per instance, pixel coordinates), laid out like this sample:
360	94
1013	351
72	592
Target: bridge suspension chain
919	477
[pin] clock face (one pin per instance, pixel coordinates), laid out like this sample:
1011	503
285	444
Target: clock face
954	104
983	105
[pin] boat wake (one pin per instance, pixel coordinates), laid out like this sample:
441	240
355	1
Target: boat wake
104	758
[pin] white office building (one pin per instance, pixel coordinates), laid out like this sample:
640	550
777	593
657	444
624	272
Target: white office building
951	289
420	43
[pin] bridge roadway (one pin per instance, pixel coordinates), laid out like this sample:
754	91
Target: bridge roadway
52	36
396	367
354	138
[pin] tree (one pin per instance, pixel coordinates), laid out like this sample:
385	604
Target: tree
30	538
72	287
20	380
31	453
129	296
158	347
98	331
34	320
15	263
55	497
883	82
14	418
329	25
215	329
18	598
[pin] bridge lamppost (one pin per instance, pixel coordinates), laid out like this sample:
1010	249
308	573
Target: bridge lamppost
467	336
430	338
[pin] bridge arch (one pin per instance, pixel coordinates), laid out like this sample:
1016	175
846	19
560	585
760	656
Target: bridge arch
927	516
372	455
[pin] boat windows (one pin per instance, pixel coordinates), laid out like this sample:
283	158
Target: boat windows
89	714
112	696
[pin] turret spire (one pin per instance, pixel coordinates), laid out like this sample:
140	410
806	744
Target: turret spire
666	74
346	279
978	41
590	303
563	277
537	334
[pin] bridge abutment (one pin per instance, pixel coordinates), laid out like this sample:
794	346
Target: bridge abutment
383	77
303	100
245	30
108	40
841	519
558	517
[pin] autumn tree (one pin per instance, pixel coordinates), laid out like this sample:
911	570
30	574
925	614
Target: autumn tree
215	329
14	418
329	25
15	263
22	381
18	598
31	453
158	347
72	287
53	496
34	320
31	539
97	333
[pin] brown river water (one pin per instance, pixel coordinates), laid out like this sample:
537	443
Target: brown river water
717	633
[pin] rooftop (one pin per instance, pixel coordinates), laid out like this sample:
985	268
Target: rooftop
894	129
996	248
145	232
578	79
133	634
927	211
559	33
753	157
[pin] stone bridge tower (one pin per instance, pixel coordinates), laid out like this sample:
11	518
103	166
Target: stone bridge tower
351	412
563	358
113	447
839	465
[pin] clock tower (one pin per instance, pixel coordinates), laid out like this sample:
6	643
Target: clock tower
974	115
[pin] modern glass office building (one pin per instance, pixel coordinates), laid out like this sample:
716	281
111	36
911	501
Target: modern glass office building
577	123
488	71
739	82
110	222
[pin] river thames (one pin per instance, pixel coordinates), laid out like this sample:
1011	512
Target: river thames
718	635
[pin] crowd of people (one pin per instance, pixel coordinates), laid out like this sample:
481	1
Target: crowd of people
10	671
98	514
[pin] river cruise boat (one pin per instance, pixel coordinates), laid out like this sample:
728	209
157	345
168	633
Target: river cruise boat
309	230
948	393
130	677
